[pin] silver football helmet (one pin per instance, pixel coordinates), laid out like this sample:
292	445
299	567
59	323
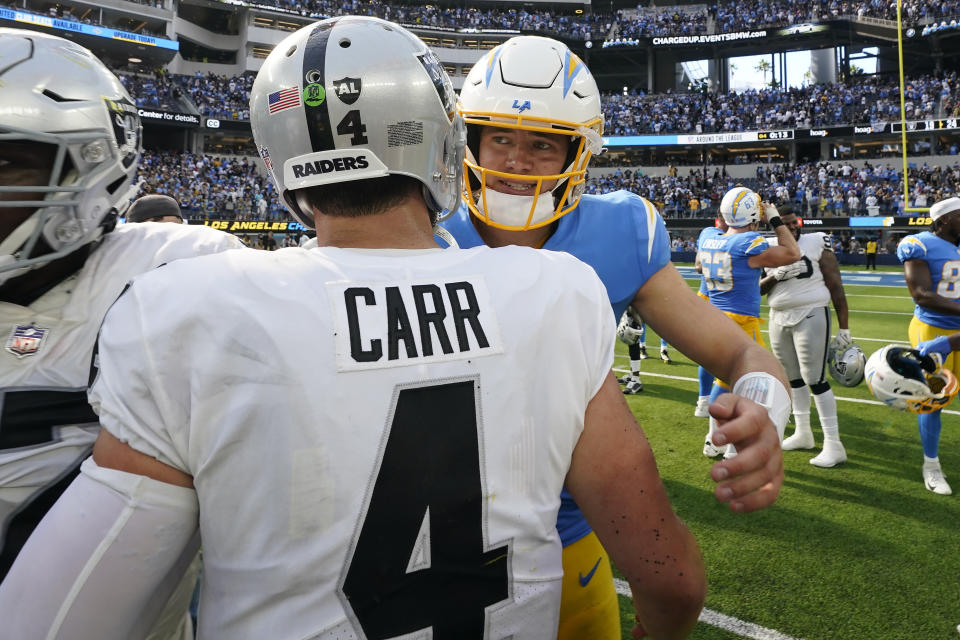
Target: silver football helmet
70	136
846	363
353	98
903	379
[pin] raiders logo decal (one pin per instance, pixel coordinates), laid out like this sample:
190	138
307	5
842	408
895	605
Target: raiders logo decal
347	89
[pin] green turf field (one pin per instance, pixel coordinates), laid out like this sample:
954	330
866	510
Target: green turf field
858	552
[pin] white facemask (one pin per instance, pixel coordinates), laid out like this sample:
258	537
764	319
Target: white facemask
513	210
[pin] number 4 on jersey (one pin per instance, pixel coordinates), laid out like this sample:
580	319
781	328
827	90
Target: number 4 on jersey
429	480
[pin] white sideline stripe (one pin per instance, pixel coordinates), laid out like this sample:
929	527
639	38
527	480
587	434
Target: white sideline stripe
686	379
727	623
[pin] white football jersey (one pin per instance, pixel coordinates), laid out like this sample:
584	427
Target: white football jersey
808	289
46	424
378	439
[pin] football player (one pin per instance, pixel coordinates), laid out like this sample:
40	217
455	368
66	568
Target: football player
68	154
732	264
632	331
932	272
798	295
534	120
704	377
407	473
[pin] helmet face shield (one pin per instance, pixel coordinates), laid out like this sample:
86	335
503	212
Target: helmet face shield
536	86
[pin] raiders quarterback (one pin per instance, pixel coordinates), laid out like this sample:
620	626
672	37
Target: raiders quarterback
382	390
798	295
68	154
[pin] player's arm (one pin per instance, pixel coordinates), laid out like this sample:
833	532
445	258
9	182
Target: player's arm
747	482
614	479
768	282
920	284
785	251
104	560
831	277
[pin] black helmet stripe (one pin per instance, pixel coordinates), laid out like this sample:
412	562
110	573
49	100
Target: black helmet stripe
314	72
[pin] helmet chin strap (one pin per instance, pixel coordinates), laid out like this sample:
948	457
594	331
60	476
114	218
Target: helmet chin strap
514	210
13	243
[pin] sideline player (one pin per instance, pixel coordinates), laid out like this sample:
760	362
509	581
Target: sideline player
533	118
632	331
732	264
704	377
68	154
403	481
799	295
932	271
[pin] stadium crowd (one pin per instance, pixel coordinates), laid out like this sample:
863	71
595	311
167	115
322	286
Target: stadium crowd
815	189
623	27
212	187
862	100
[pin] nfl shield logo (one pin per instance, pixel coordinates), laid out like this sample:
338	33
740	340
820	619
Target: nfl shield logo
26	340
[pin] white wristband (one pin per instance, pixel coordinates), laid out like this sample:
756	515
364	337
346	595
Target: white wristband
768	392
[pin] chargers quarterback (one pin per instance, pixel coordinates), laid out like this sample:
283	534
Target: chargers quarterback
932	270
383	390
732	264
68	154
798	295
533	116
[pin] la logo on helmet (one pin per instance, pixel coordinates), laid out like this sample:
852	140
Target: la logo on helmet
521	107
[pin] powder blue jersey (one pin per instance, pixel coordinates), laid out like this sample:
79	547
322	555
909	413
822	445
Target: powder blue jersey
943	259
707	232
733	285
623	238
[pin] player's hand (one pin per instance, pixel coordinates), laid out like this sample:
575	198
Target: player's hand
752	479
842	339
788	271
767	211
626	333
939	345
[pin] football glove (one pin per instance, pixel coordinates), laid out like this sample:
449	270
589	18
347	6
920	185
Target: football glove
788	271
842	339
939	345
626	330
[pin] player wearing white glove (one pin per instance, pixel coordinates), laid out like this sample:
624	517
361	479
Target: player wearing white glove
799	294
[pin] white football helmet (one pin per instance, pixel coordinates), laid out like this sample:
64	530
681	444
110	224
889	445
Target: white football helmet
740	206
903	379
352	98
64	115
846	363
534	84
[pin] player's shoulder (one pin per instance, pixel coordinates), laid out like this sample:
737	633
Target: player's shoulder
618	203
914	245
164	242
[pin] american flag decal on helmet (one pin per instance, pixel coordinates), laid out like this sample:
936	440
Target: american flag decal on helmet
26	340
283	99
